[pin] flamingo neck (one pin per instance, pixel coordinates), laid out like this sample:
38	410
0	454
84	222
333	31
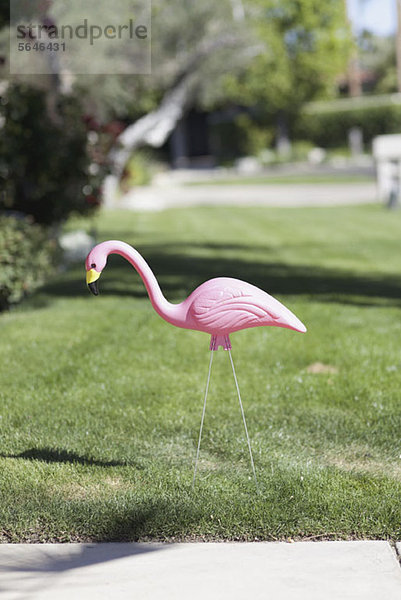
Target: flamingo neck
164	308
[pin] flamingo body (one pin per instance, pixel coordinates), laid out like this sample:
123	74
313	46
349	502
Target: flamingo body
224	305
219	306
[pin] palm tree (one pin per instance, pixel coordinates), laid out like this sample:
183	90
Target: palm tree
398	44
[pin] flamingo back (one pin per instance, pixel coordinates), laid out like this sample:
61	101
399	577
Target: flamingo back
224	305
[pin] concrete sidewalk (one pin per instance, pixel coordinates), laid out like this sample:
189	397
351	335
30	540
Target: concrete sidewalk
311	570
286	195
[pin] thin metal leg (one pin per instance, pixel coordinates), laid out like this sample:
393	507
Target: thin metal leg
203	417
243	418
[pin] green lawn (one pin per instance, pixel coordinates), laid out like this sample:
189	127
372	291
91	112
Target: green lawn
101	399
285	179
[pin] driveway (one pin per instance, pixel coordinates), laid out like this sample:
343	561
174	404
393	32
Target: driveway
286	195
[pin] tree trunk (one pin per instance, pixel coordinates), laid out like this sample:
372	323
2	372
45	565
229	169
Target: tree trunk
398	47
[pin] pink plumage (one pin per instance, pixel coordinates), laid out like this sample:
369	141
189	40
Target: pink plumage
219	306
223	305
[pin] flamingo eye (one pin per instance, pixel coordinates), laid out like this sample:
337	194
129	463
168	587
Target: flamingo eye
93	266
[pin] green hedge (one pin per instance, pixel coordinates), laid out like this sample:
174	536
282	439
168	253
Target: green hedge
329	129
26	258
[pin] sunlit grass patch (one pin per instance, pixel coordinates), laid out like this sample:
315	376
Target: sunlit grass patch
100	400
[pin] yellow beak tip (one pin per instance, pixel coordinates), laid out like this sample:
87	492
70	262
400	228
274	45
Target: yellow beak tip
92	276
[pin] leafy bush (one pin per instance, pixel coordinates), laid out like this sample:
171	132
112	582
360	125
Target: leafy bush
138	171
26	258
329	129
43	156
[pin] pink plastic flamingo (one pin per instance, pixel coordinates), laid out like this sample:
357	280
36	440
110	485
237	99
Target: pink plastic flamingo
219	307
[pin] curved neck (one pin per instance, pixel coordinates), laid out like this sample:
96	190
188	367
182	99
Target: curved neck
164	308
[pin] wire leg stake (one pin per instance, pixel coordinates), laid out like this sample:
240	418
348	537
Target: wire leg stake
243	418
203	418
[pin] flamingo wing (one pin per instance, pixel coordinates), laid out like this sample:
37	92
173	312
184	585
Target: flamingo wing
230	308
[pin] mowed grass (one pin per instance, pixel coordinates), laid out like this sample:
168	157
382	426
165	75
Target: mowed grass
101	399
286	179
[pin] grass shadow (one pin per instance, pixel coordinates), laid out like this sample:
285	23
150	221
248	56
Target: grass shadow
52	561
180	268
150	517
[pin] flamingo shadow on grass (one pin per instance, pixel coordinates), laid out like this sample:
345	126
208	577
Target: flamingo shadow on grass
51	455
180	268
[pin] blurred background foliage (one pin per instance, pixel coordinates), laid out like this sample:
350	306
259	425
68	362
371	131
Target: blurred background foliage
252	54
43	161
268	78
307	45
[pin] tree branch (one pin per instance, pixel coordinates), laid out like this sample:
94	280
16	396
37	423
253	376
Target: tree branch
155	127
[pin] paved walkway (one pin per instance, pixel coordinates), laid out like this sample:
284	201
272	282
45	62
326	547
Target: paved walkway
288	195
219	571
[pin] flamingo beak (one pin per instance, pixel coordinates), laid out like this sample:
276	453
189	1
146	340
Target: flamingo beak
91	279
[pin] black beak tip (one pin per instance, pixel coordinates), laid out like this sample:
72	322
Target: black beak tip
93	288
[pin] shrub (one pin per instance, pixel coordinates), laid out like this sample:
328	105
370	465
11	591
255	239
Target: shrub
329	128
26	258
43	161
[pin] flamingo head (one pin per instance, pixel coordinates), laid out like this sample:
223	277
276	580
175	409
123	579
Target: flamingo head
95	263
